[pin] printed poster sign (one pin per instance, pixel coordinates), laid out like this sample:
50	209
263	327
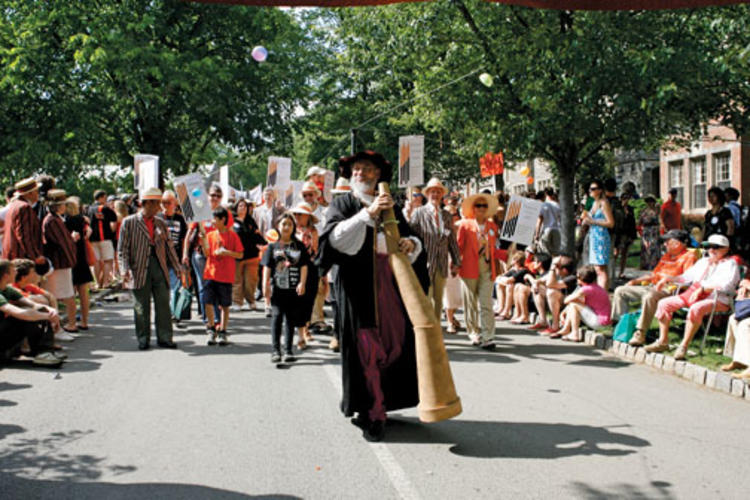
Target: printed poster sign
279	173
145	172
292	193
521	215
410	160
193	197
224	184
328	183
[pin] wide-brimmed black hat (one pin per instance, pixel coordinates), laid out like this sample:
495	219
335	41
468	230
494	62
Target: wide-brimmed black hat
346	162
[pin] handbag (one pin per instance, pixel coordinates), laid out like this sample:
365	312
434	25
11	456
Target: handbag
90	255
626	326
742	309
183	303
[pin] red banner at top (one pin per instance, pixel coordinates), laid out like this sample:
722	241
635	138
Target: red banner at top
539	4
491	164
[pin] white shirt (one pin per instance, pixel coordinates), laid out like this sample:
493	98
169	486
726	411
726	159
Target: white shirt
550	215
722	277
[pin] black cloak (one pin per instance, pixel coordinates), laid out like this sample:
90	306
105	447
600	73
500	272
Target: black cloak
355	292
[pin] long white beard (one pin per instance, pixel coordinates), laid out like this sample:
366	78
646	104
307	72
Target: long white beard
363	187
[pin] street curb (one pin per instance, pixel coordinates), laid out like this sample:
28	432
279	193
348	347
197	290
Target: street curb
699	375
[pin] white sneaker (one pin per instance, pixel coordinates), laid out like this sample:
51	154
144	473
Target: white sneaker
222	338
46	359
235	308
474	338
64	336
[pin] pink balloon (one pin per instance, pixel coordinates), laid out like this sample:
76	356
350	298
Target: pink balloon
259	53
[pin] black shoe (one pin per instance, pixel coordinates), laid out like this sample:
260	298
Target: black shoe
376	432
361	421
143	346
289	358
276	357
488	346
167	344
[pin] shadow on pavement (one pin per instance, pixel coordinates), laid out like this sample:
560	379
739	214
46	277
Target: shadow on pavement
659	489
515	439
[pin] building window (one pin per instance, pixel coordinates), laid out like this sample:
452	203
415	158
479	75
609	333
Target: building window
722	171
675	180
698	171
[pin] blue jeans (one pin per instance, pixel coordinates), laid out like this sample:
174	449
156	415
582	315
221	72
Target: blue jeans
174	285
199	265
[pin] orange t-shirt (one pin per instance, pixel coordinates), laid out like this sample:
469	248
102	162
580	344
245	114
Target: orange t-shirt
28	289
221	269
671	267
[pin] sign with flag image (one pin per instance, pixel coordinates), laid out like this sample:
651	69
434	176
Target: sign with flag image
410	160
279	173
521	215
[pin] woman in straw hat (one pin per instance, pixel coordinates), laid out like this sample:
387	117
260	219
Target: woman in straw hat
60	249
476	237
434	226
308	235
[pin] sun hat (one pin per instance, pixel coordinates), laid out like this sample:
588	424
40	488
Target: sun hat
435	183
716	239
342	186
152	193
305	209
308	187
315	170
56	196
467	206
377	159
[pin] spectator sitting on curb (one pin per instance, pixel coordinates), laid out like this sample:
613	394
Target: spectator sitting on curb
550	290
22	319
650	289
715	273
27	282
737	344
590	304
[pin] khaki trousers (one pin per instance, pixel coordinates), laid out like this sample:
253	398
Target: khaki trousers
435	294
318	316
646	295
245	281
478	303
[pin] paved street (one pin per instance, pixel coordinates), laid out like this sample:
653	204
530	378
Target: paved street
542	419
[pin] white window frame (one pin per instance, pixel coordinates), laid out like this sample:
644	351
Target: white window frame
699	182
677	167
720	180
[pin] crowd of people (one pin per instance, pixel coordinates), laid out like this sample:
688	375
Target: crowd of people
296	259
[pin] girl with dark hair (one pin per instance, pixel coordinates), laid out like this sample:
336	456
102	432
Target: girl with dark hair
285	266
718	219
588	304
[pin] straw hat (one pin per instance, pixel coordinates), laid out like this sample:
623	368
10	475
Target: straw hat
305	209
435	183
25	186
152	193
56	196
342	186
467	206
308	187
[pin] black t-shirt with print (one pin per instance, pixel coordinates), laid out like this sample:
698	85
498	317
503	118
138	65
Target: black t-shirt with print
285	262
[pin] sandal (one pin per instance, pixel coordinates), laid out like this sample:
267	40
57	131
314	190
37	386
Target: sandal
301	345
570	338
555	335
82	327
70	330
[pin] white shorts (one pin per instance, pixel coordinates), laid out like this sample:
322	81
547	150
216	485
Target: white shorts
589	318
103	250
60	283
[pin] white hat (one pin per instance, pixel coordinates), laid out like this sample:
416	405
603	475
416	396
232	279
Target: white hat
305	209
342	186
718	240
434	184
310	187
152	193
315	171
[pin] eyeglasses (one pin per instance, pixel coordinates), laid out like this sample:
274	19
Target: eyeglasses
308	195
214	195
713	247
480	205
595	189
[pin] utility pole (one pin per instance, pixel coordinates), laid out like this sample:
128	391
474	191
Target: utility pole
353	141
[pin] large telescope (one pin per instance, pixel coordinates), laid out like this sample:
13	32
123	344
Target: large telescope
437	394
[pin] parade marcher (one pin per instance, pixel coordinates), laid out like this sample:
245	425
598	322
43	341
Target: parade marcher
547	233
452	298
9	191
45	183
222	247
145	255
476	237
435	227
60	249
306	232
82	277
103	223
316	175
285	266
246	274
377	339
310	195
267	216
342	187
177	227
23	229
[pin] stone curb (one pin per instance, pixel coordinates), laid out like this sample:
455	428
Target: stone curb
699	375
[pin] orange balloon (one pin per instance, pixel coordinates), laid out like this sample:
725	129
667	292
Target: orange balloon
525	171
529	180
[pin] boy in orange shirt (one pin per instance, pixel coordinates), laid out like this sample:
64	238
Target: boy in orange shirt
221	247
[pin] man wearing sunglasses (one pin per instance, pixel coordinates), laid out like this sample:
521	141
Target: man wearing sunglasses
712	277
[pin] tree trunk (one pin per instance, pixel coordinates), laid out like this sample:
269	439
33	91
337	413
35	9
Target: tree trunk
566	178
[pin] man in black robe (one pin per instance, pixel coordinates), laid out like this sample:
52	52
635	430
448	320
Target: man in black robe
379	370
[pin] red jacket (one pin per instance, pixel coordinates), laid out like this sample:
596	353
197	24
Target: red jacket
468	244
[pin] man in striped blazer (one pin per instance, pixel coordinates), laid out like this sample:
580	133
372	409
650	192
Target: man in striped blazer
23	229
435	227
145	251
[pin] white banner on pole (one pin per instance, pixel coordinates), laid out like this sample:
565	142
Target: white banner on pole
279	173
410	160
328	183
521	215
224	183
256	195
192	197
291	195
145	172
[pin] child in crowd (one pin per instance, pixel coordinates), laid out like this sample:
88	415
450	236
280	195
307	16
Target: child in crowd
538	268
221	247
307	233
27	282
589	303
550	290
506	285
285	267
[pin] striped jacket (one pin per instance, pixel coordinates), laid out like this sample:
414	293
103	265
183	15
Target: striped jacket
59	246
134	249
23	232
438	244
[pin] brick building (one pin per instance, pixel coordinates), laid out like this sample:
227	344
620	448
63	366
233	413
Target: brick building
515	183
719	159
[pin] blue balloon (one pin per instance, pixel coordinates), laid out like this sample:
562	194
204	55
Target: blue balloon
197	192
